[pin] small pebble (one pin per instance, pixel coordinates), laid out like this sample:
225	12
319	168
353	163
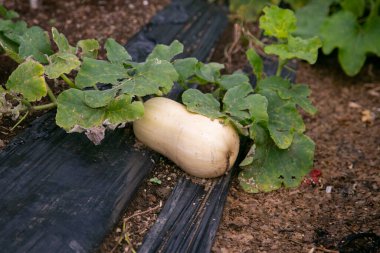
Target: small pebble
329	189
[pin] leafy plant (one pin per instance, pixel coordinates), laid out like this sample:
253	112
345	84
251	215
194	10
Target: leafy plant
281	153
351	26
84	106
108	93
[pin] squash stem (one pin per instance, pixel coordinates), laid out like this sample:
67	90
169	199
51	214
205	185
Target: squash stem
44	107
51	95
21	120
68	81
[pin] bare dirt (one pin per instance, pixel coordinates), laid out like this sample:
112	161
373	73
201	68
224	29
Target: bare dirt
307	219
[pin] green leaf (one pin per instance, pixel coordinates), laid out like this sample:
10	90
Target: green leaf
248	10
297	4
28	80
258	106
62	42
284	119
10	48
98	98
354	41
163	52
230	81
147	81
155	180
309	27
357	7
90	48
305	49
299	94
116	53
61	63
13	30
122	110
201	103
72	111
256	62
208	73
273	167
97	71
7	14
185	67
235	101
35	42
278	22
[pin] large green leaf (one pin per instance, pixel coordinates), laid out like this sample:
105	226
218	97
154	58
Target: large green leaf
61	63
73	110
35	42
122	110
297	93
305	49
235	79
208	73
90	48
256	63
357	7
163	52
97	71
317	9
272	167
116	53
28	80
258	106
354	41
185	67
13	30
98	98
151	77
62	42
284	119
278	22
201	103
235	103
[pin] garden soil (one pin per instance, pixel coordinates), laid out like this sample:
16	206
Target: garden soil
312	218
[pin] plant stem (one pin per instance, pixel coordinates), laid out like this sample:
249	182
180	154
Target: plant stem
27	103
51	95
252	37
21	120
44	107
281	64
68	81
